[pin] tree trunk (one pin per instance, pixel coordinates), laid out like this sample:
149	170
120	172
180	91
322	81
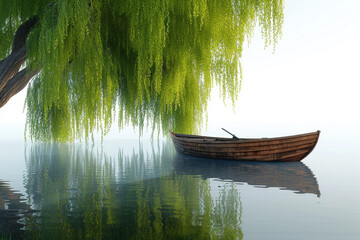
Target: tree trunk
12	80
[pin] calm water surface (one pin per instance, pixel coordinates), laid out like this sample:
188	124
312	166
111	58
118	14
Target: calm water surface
127	190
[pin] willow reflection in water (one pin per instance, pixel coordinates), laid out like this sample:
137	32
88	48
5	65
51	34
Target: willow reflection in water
13	209
83	194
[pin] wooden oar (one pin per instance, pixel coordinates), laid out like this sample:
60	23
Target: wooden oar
233	135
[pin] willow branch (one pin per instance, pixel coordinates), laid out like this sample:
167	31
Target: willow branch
15	85
11	80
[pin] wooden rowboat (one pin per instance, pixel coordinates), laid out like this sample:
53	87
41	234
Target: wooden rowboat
289	148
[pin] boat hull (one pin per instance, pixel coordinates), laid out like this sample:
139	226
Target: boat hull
289	148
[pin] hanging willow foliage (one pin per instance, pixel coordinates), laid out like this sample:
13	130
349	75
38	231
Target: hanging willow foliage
149	62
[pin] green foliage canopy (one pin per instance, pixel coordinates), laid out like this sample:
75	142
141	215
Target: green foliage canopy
149	62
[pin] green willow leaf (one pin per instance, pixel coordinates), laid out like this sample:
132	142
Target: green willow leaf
147	63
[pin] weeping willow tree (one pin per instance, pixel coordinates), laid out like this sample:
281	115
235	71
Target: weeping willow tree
145	63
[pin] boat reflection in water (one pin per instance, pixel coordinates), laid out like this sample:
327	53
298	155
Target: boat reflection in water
294	176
